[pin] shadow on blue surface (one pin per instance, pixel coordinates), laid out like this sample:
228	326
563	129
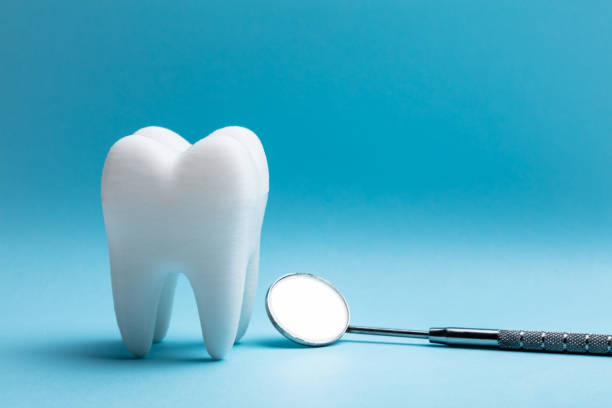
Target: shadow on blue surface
166	351
288	344
275	342
114	350
193	351
459	348
392	343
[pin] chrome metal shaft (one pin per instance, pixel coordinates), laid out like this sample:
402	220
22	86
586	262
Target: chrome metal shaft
376	331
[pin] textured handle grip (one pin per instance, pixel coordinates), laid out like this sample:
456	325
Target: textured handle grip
555	342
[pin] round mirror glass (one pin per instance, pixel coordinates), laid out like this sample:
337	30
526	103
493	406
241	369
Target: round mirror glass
307	309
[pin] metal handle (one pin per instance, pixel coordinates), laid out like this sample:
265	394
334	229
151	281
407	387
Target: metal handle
555	342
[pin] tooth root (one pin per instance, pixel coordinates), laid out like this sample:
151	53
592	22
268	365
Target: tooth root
218	289
136	302
248	298
164	309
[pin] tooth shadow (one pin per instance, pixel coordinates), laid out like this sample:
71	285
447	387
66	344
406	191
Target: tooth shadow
114	350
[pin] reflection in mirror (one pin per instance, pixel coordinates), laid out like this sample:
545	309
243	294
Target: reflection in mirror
307	309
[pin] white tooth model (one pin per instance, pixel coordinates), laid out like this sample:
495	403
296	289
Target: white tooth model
171	207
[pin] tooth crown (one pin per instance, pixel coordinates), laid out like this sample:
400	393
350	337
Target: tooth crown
170	208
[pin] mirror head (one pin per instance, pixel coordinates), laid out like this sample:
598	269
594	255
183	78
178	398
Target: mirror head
307	309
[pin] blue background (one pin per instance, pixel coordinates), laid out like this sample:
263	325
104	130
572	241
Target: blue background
443	163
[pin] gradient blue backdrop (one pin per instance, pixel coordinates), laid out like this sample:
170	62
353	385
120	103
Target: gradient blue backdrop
440	162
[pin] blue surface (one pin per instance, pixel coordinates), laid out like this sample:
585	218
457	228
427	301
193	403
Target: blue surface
442	164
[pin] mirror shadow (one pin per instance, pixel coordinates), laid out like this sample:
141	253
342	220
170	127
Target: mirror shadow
390	342
271	342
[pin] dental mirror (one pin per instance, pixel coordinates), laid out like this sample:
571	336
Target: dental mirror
309	310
